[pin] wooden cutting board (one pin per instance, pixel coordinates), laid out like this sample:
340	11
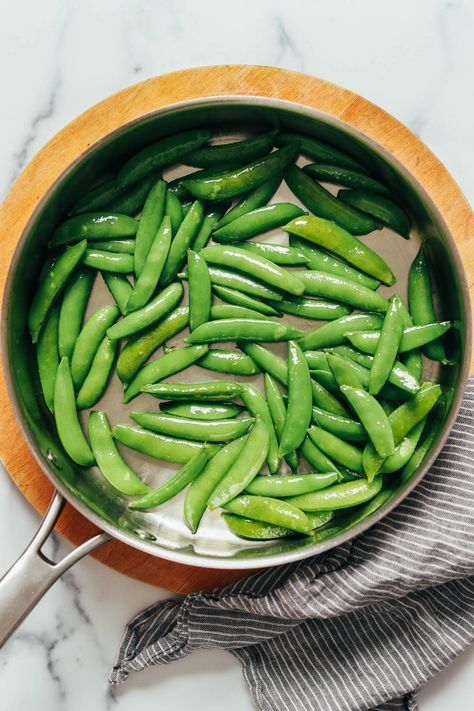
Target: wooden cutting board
136	101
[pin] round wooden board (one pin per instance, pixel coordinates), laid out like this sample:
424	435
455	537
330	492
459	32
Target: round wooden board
137	101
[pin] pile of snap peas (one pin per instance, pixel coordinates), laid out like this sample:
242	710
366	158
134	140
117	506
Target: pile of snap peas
334	427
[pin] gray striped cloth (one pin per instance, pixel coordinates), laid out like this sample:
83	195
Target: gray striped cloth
360	627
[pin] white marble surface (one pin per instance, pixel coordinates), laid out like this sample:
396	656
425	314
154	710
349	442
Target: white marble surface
57	58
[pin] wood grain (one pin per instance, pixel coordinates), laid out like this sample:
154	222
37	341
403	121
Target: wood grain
136	101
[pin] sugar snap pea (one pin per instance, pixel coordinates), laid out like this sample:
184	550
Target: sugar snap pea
256	222
342	427
51	283
341	451
241	180
298	416
101	260
325	400
168	364
177	188
187	428
200	295
313	308
387	346
404	449
351	518
202	487
212	214
381	208
332	334
242	283
327	379
254	265
220	311
318	150
245	467
276	253
94	226
177	483
430	433
291	485
168	449
150	220
317	459
254	530
174	210
335	239
47	355
346	372
149	314
322	203
317	360
68	427
338	175
412	337
275	511
182	240
110	462
164	152
317	283
124	246
373	417
412	359
111	197
73	306
89	340
237	152
238	298
257	405
214	390
277	408
267	360
201	410
142	344
339	496
150	273
120	288
242	329
96	380
228	361
254	199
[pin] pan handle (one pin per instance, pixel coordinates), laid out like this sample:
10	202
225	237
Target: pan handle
33	573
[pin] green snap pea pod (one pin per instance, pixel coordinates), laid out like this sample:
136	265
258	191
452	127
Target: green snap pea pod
277	408
94	226
340	450
168	449
258	221
412	337
420	302
345	371
51	283
332	334
145	285
402	420
182	240
245	467
68	427
177	188
338	175
174	210
89	340
324	262
430	432
298	416
177	483
379	207
242	283
412	359
291	485
399	379
212	214
317	360
255	198
339	496
254	265
111	464
237	152
242	329
313	308
241	180
228	361
342	427
322	203
117	246
97	198
254	530
257	405
96	380
73	306
168	364
150	220
202	487
324	399
200	295
47	355
317	459
352	518
340	289
318	150
116	262
276	253
164	152
373	417
149	314
238	298
201	410
226	311
110	196
120	288
328	235
268	361
404	449
214	390
275	511
387	347
328	381
187	428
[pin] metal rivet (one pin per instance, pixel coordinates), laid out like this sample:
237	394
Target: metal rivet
51	457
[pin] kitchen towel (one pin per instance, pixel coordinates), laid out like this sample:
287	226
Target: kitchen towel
360	627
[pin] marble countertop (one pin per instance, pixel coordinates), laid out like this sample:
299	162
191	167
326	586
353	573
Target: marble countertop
415	59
